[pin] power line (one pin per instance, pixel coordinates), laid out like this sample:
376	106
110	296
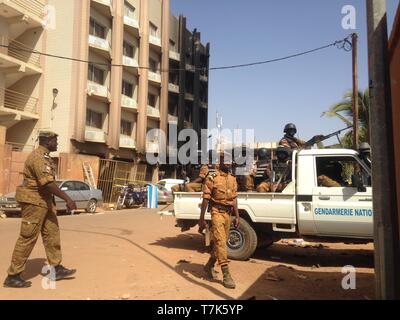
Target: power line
344	44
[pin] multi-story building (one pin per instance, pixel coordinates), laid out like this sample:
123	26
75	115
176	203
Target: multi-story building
21	71
117	87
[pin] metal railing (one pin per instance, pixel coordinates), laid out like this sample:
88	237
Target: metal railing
18	101
22	52
36	7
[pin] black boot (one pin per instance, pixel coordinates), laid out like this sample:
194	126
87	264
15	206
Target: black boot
209	269
16	282
63	273
227	281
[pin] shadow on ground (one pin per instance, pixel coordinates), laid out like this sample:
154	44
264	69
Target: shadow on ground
283	283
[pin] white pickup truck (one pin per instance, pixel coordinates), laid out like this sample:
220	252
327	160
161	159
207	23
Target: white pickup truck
305	209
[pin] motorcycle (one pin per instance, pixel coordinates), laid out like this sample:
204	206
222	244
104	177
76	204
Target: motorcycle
131	196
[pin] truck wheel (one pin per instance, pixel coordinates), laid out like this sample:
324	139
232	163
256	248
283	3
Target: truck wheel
242	242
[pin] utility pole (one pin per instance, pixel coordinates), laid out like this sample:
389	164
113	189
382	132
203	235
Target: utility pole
386	238
354	39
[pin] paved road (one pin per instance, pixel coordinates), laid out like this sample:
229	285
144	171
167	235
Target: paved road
135	254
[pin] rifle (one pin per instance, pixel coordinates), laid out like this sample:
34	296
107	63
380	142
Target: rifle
318	139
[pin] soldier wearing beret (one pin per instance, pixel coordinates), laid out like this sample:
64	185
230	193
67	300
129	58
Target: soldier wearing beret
36	198
220	191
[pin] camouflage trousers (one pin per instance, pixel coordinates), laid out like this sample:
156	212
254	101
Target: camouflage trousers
265	187
35	221
194	187
220	226
246	183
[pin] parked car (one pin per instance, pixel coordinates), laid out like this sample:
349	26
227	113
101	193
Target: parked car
169	183
85	197
164	195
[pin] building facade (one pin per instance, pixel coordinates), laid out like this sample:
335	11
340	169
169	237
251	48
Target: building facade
136	68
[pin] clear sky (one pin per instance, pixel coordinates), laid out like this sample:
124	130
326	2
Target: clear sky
267	97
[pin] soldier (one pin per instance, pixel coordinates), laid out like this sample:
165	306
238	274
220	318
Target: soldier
184	177
36	197
330	175
289	140
220	191
197	184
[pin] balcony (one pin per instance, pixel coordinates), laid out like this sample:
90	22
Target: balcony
105	7
131	22
95	135
107	3
155	77
100	44
130	62
30	13
153	112
21	52
155	41
172	119
99	91
203	78
174	55
189	96
128	102
190	68
127	142
18	103
173	88
204	104
152	147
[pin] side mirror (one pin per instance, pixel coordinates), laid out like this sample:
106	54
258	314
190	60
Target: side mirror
357	182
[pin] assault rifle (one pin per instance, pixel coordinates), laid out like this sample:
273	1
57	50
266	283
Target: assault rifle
321	138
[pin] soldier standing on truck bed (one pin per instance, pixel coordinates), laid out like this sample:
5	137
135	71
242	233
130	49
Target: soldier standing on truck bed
36	197
220	192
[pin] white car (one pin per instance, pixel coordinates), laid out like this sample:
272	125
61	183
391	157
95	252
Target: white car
169	183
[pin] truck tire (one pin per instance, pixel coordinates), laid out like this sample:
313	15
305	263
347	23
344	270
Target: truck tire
242	242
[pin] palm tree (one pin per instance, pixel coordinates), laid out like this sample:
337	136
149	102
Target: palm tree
344	111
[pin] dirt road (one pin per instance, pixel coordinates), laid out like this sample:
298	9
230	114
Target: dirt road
135	254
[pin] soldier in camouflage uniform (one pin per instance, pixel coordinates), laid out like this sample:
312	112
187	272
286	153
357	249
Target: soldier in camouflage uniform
36	197
197	184
289	140
220	191
330	175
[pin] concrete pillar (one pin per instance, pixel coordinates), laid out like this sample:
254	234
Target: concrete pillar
80	70
3	132
164	66
114	122
144	52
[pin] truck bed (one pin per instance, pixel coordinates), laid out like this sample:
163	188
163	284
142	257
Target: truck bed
274	208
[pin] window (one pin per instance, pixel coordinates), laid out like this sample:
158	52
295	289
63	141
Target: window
96	74
127	89
151	100
338	172
129	10
153	65
172	45
68	186
97	29
153	30
126	128
81	186
94	119
128	50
